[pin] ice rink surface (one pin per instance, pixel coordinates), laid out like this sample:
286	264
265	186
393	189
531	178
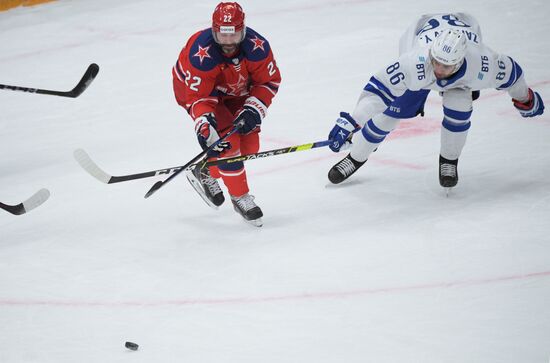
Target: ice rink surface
382	268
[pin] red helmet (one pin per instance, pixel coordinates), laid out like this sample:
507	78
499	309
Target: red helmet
228	18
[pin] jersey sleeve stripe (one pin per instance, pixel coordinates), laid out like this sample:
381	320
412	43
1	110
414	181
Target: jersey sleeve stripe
274	92
273	87
179	69
382	88
178	73
376	87
515	74
191	108
370	88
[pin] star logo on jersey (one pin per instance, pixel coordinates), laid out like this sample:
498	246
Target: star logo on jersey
238	88
202	53
258	43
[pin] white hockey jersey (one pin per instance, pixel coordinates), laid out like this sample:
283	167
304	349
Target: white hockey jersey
412	71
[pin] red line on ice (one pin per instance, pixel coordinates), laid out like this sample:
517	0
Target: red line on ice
276	298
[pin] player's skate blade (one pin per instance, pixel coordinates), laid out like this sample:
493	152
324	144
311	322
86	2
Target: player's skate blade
256	222
343	169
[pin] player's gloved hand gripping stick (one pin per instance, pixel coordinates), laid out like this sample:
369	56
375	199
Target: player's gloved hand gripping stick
161	183
340	135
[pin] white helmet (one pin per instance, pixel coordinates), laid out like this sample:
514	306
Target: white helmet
449	47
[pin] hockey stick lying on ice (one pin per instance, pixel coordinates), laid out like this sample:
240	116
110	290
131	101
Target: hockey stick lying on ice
161	183
94	170
86	80
34	201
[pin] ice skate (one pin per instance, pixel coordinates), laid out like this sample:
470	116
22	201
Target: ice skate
448	173
245	206
343	169
207	187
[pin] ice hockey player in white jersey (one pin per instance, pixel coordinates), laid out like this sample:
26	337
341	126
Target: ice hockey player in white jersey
440	52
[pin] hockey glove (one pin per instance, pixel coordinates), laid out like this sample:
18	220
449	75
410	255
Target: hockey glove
252	113
532	107
340	135
205	127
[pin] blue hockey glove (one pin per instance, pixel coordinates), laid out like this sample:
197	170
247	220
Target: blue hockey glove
251	119
533	107
340	134
205	127
252	113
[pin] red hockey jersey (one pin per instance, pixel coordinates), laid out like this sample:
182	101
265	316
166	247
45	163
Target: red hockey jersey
204	73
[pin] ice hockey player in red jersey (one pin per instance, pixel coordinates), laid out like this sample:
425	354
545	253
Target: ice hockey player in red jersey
224	75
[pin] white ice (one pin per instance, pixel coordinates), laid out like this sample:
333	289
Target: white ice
383	268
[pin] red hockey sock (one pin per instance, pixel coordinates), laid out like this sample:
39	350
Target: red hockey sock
235	181
214	172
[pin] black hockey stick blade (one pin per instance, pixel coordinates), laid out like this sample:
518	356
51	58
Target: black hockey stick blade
154	188
85	81
34	201
160	183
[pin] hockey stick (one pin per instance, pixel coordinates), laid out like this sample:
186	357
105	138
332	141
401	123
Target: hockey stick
199	188
263	154
94	170
34	201
86	80
161	183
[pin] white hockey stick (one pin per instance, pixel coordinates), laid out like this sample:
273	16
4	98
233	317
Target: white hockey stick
34	201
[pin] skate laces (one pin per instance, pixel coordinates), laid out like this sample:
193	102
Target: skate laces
245	202
211	183
346	167
448	170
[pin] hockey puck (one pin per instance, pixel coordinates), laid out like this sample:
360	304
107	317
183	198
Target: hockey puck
131	346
